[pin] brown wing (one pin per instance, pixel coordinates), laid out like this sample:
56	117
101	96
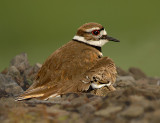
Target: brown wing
61	70
104	71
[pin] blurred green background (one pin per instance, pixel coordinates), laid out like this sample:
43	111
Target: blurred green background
39	27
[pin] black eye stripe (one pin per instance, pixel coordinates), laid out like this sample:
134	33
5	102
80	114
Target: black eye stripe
101	29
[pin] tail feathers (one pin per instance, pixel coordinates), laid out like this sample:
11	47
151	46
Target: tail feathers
39	93
23	97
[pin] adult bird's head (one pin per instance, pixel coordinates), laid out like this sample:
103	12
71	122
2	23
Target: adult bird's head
93	34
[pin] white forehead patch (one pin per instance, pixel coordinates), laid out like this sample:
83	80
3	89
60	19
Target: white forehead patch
104	32
91	29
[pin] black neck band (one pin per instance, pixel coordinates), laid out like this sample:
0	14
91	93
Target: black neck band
97	47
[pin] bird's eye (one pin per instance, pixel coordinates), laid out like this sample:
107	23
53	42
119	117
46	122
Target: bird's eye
95	32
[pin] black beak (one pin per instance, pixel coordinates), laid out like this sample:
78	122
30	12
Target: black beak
109	38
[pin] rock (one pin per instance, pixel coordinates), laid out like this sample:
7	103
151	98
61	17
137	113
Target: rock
17	76
152	117
110	110
133	112
32	71
153	81
125	78
140	100
20	62
3	93
137	73
156	116
96	101
9	86
21	72
158	82
124	81
76	118
86	108
56	111
79	101
140	121
101	91
121	72
13	71
69	96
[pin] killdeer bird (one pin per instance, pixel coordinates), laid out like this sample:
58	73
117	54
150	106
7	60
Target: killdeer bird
76	66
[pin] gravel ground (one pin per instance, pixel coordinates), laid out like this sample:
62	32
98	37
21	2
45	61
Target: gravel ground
135	100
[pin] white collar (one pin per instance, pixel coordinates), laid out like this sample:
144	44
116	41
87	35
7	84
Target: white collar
99	43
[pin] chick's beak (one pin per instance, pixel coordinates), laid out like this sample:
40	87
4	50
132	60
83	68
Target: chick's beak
109	38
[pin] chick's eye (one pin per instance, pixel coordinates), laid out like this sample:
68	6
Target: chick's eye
95	32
